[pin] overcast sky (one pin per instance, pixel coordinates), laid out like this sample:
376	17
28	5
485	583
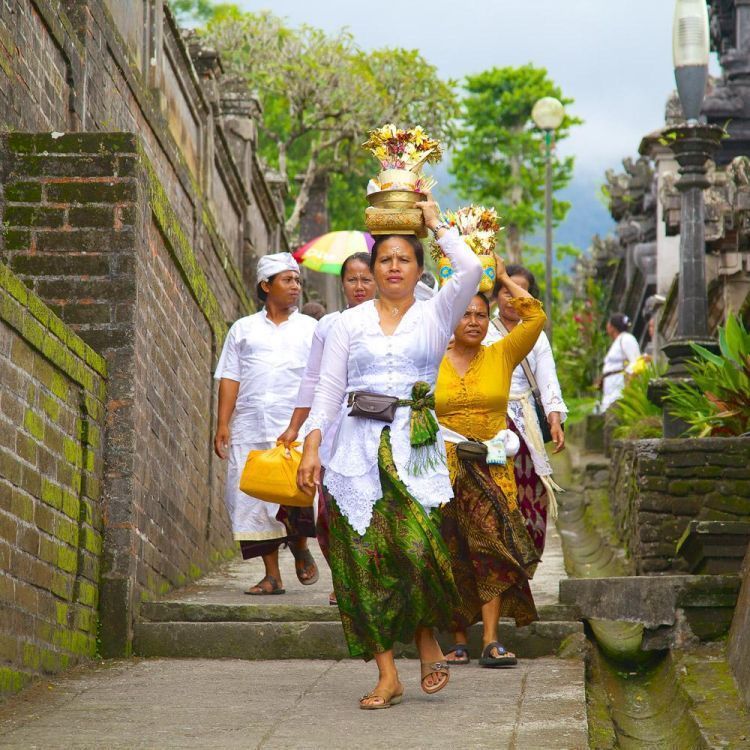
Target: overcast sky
613	57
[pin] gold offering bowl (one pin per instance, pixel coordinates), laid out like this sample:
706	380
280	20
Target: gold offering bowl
395	199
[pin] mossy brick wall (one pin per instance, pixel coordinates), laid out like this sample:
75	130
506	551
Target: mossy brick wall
64	67
739	635
88	226
657	487
51	423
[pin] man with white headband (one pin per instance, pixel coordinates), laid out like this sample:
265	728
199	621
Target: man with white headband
259	374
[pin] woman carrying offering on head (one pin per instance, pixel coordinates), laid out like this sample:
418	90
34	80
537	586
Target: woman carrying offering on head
492	554
620	357
358	285
386	477
535	486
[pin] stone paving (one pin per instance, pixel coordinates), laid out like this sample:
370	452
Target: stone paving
300	704
297	704
227	585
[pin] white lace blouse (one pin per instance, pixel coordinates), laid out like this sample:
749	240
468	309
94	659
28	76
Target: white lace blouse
358	356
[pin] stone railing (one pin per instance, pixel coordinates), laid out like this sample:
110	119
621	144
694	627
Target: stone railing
656	487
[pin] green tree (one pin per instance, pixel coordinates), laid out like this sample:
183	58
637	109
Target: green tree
500	155
320	94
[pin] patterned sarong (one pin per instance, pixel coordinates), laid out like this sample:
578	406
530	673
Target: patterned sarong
298	523
394	578
491	552
532	495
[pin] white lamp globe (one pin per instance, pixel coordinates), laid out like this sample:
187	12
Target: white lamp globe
691	47
690	35
548	113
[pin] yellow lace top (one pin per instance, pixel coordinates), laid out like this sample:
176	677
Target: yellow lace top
475	405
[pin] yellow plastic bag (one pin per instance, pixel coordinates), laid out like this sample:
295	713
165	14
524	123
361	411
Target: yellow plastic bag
271	475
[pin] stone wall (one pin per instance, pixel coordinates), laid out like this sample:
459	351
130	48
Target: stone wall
739	636
88	226
134	205
51	422
657	487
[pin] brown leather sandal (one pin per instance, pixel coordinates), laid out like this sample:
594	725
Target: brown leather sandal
275	588
434	667
388	700
305	563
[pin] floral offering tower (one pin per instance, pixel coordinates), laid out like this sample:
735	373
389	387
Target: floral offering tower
393	194
479	227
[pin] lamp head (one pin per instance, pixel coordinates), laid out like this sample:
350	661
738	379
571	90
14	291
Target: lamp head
690	49
548	113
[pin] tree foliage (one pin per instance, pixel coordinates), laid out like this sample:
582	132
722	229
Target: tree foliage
320	94
580	341
500	154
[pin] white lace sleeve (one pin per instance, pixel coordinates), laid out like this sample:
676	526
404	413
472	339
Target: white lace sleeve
451	301
546	378
329	394
312	371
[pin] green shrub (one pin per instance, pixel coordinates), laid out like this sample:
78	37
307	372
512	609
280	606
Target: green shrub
716	399
637	417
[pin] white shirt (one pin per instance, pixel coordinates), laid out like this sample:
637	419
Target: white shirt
311	377
268	361
542	363
621	355
358	356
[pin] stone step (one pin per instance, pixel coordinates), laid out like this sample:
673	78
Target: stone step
318	640
186	611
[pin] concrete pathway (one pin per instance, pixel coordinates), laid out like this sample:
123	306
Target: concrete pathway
297	705
300	704
228	584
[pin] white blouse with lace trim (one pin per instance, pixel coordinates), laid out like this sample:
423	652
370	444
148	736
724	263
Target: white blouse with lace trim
358	356
542	364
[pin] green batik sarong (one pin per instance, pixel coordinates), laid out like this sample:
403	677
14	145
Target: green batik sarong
397	576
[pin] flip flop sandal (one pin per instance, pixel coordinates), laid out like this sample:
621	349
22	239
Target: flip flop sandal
388	700
307	559
503	661
461	650
434	667
275	588
332	600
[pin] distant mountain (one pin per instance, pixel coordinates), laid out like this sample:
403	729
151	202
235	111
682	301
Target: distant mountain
587	216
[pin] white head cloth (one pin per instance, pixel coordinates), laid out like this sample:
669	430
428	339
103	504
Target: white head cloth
423	291
270	265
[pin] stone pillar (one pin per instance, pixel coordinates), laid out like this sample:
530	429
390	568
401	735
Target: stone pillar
693	146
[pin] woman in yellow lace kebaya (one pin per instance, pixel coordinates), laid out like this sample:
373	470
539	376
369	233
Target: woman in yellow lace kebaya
492	554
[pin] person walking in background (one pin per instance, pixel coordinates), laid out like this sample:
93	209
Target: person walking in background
534	382
621	356
314	310
492	554
386	476
358	285
259	373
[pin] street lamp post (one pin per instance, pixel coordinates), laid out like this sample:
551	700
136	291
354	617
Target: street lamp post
694	145
548	114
